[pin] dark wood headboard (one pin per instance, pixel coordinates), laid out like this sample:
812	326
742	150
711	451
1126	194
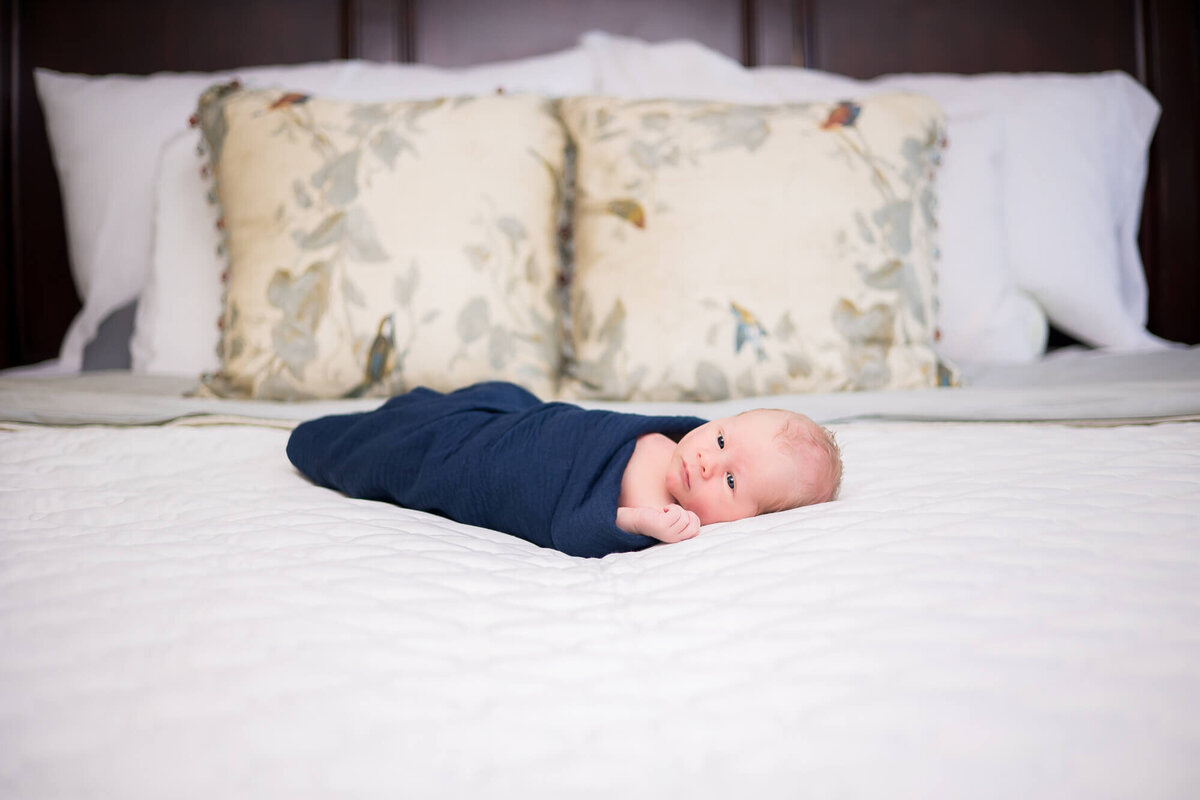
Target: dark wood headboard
1156	41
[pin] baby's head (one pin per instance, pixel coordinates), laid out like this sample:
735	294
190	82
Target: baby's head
753	463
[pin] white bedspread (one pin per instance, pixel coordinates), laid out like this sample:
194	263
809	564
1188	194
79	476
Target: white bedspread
991	610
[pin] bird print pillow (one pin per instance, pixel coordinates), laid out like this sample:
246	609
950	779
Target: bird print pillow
375	247
729	251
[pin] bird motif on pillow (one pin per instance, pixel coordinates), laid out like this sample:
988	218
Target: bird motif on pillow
289	99
748	330
378	358
843	115
629	210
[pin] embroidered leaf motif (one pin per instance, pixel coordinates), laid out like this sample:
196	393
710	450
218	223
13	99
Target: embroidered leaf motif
474	320
211	116
303	198
303	301
387	145
361	242
895	220
352	293
405	285
329	230
368	115
656	120
583	318
798	365
868	368
338	178
745	384
876	324
513	229
418	110
898	276
864	230
645	154
612	330
785	328
501	347
711	383
735	126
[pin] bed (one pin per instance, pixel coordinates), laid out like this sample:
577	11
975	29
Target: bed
1003	599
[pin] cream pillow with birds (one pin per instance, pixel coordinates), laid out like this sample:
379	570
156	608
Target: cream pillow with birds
375	247
728	251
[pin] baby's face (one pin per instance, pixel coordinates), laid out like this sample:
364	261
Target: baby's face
731	468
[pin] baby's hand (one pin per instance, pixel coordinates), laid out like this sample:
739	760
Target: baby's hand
671	523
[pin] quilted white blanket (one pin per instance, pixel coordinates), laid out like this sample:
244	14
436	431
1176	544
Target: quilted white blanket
991	610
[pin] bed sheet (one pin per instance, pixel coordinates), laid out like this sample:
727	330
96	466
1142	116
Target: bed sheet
991	610
1082	385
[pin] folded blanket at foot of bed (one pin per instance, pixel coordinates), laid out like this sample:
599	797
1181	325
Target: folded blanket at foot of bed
491	455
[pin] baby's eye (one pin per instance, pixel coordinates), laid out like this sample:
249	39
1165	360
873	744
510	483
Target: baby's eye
729	479
720	441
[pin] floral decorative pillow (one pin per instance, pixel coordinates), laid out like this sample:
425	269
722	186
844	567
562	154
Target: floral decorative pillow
726	250
374	247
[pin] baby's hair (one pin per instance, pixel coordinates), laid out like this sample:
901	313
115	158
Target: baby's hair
799	435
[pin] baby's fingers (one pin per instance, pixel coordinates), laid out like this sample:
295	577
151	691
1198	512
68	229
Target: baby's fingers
681	523
691	525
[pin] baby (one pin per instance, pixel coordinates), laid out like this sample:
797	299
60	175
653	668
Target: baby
588	483
727	469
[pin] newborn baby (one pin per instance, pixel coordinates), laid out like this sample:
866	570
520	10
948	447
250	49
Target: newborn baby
588	483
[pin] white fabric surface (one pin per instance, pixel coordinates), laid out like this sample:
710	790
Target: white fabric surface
991	610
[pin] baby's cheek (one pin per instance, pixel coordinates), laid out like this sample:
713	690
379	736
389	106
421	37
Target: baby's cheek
705	509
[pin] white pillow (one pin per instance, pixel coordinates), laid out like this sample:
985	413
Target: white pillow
107	132
1075	156
982	315
175	330
1076	153
679	69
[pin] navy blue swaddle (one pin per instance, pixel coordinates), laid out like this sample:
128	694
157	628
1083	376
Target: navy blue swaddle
491	455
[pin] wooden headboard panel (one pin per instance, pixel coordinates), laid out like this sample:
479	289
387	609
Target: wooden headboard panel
1156	41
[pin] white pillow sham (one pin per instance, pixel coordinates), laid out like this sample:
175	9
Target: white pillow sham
176	327
107	132
1076	156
